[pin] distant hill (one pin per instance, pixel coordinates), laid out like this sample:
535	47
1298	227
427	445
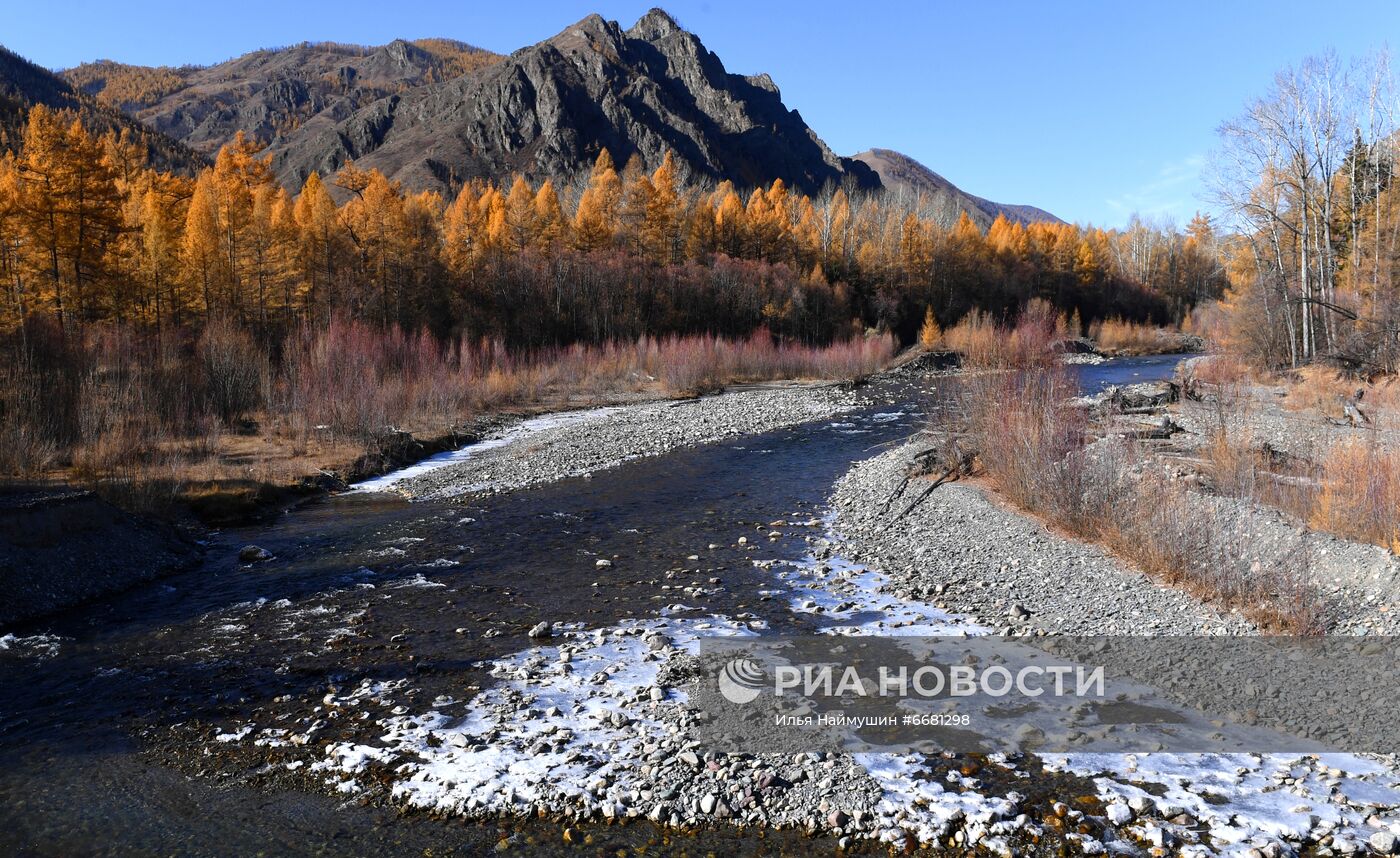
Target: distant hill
901	174
24	84
273	95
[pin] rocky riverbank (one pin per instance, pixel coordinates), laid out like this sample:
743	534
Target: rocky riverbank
59	548
970	554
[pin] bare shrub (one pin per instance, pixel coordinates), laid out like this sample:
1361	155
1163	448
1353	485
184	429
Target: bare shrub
985	344
234	370
40	399
1039	451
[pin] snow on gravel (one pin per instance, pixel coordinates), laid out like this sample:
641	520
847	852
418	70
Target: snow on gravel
519	432
594	722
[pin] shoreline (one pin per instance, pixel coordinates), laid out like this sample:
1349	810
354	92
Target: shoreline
972	554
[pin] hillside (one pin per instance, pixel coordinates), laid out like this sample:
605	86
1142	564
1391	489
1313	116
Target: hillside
273	95
434	113
944	200
24	84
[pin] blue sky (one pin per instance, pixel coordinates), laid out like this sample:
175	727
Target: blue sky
1090	110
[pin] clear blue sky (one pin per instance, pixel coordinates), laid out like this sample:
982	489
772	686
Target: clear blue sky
1090	110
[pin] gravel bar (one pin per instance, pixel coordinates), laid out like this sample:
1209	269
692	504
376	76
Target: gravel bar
628	432
971	555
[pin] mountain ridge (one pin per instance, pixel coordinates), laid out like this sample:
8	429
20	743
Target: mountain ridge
547	110
434	113
900	173
24	84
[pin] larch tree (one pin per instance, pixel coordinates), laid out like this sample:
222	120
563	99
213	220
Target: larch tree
596	216
464	230
320	239
550	225
522	226
662	237
72	210
201	248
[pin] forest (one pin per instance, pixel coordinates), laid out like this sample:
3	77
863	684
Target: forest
1305	176
141	305
90	234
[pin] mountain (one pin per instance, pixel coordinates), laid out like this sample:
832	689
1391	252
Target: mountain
24	84
901	174
545	111
273	95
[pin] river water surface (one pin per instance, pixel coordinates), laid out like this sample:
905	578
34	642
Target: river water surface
99	705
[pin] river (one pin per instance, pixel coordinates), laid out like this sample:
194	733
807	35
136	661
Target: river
107	710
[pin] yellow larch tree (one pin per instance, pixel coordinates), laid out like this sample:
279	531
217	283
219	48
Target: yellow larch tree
319	245
550	225
596	216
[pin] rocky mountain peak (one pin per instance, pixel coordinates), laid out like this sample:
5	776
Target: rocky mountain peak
548	109
655	25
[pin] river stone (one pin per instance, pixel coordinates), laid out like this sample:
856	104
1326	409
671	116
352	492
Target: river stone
1118	813
253	554
1383	842
541	630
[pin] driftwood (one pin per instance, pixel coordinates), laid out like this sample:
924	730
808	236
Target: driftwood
960	463
1351	409
1144	395
1160	432
947	476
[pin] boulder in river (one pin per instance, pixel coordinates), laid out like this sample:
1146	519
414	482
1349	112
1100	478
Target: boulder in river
253	554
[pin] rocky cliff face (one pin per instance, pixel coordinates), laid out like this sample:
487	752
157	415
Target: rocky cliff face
547	110
902	175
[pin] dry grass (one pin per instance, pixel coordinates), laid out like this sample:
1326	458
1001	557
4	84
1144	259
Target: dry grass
1222	370
1322	389
1360	494
1351	489
1116	336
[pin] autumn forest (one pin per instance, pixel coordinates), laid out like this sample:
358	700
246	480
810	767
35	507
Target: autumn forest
92	235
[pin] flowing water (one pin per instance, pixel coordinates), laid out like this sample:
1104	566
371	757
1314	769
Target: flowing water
368	587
